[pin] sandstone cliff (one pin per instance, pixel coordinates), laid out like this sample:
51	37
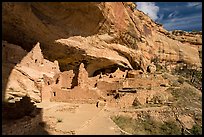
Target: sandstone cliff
102	35
113	22
26	77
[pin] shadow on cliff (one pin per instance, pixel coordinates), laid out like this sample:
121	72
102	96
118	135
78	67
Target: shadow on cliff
47	22
25	24
16	111
22	118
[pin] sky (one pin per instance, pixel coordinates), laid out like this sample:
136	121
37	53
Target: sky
185	16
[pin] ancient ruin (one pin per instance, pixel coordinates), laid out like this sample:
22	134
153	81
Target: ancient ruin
106	54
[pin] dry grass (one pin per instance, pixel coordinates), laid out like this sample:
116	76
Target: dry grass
147	126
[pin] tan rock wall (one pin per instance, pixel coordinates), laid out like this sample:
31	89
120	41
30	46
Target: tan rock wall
135	38
27	72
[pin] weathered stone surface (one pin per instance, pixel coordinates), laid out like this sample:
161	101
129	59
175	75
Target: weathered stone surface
82	76
134	73
125	36
100	104
65	79
26	76
187	121
119	74
194	38
102	35
98	56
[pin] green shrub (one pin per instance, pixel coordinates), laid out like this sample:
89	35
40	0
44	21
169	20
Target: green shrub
181	80
158	67
136	102
158	99
192	76
59	120
170	128
196	130
147	126
175	83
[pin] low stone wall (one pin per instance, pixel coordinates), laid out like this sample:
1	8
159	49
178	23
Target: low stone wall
76	95
103	85
24	126
76	101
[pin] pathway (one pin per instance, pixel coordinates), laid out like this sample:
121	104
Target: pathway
78	118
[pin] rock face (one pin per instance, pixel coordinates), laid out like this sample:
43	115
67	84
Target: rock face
187	121
134	73
104	36
27	76
102	33
194	38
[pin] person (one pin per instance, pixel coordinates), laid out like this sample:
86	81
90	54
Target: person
192	76
97	104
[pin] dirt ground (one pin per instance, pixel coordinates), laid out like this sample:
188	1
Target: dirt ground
79	119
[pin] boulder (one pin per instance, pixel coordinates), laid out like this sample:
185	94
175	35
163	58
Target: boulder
100	104
151	68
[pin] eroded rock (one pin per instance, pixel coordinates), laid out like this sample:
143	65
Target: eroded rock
113	34
26	76
128	36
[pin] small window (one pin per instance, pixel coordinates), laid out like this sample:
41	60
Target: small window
57	81
48	83
179	61
35	60
54	94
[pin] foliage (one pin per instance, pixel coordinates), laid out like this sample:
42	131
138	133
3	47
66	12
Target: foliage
196	130
192	76
175	83
59	120
158	67
147	126
170	128
156	63
186	99
181	80
200	55
158	99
